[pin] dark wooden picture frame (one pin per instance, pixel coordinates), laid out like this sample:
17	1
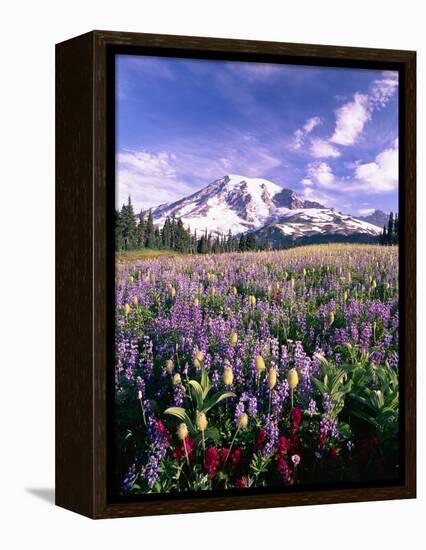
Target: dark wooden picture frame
83	161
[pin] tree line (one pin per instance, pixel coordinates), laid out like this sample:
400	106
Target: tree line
390	233
132	232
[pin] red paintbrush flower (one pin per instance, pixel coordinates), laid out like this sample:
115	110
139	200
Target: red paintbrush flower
294	444
185	448
295	418
283	468
223	453
211	461
260	440
283	445
161	427
241	483
177	454
236	456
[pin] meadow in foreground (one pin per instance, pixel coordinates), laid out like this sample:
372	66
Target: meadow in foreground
257	369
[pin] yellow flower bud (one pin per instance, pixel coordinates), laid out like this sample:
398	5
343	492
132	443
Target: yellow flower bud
373	283
331	317
135	301
172	291
260	364
201	421
252	300
304	272
176	379
234	339
242	421
213	291
130	278
277	285
182	431
228	376
196	302
234	290
198	359
170	366
272	378
126	309
292	282
345	295
292	378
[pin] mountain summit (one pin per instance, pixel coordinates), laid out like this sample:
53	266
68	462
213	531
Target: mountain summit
235	203
277	215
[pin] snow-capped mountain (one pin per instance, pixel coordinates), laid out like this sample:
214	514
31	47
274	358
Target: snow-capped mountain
233	203
277	215
317	225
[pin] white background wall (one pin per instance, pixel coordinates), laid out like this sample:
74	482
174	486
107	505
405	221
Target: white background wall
29	30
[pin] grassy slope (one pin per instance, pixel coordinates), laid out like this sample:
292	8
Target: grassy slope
126	256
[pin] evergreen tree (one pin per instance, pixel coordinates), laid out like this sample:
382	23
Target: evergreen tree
119	241
251	241
141	231
390	229
181	237
242	247
150	232
396	229
128	225
166	234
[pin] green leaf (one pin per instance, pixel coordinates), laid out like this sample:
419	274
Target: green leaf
181	414
337	380
210	433
345	430
217	398
205	381
319	385
197	391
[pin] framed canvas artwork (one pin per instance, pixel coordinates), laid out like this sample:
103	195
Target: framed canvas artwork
235	274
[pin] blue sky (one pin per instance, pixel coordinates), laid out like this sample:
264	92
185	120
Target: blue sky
330	134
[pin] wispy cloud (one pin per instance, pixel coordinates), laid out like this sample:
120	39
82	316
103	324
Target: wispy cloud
301	133
149	178
353	115
350	120
376	177
321	148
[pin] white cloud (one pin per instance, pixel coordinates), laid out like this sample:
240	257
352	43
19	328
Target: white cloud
321	196
350	120
378	176
382	90
365	211
311	123
320	148
321	174
353	115
300	134
256	71
381	175
150	179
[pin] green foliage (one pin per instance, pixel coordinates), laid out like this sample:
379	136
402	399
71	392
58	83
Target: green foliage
203	401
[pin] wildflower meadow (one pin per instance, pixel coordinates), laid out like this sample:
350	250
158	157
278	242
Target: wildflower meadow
256	369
